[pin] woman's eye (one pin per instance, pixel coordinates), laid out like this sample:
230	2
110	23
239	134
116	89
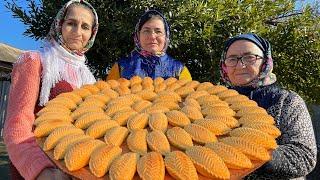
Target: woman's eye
85	27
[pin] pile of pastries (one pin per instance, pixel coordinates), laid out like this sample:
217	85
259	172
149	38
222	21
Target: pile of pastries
182	127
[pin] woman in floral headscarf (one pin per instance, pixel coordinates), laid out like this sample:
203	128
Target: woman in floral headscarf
246	66
149	58
39	76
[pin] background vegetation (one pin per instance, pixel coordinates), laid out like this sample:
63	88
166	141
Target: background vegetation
198	29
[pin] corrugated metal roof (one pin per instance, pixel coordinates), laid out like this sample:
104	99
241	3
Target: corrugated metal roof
8	53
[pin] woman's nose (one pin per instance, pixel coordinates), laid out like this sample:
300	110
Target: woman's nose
77	30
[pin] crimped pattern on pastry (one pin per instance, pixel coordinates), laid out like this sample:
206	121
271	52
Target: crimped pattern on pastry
54	109
200	134
230	121
101	159
124	167
83	93
52	116
138	121
66	142
92	88
132	97
102	85
78	155
217	103
46	127
112	109
100	97
173	87
218	111
208	163
89	104
135	80
255	136
256	118
207	98
231	156
157	141
179	138
193	84
204	86
116	135
215	126
137	141
237	99
84	121
158	121
113	83
123	101
180	166
192	102
84	110
147	95
147	81
168	96
184	91
121	117
100	127
242	104
158	81
141	105
197	94
151	166
52	140
170	81
264	127
148	87
227	93
255	110
111	93
124	82
177	118
156	109
167	104
216	89
250	149
136	88
74	97
160	87
67	102
192	113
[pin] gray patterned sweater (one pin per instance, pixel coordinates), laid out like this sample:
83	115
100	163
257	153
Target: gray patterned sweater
296	155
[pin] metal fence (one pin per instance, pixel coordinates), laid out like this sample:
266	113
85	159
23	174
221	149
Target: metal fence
4	93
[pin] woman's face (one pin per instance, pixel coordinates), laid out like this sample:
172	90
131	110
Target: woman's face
240	74
152	35
77	27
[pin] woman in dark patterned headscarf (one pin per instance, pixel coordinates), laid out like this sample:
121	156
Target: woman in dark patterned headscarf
149	58
246	66
39	76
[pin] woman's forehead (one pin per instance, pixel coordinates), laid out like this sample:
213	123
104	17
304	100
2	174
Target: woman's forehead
243	47
154	23
78	12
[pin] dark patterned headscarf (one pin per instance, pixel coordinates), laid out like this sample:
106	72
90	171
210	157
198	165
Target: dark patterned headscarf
266	77
143	19
55	32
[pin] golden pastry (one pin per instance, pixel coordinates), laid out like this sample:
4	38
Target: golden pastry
151	166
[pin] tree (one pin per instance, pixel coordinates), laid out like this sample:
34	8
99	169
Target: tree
199	29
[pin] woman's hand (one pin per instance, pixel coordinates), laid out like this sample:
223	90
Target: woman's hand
52	174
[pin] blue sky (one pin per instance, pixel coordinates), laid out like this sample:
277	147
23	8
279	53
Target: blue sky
12	29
